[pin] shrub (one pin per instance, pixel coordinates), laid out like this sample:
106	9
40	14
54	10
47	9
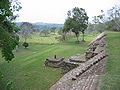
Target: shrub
25	44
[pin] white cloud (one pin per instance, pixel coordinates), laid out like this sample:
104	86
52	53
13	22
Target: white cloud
54	11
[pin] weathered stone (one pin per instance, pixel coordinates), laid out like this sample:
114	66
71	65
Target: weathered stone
80	58
74	78
66	66
89	55
99	49
64	81
54	61
99	37
72	62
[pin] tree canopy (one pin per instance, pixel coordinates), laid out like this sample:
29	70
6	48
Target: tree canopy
8	27
26	29
77	21
45	32
114	18
110	19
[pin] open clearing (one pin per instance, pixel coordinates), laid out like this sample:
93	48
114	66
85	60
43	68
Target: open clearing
27	70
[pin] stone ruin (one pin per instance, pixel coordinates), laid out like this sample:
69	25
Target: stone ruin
96	46
54	61
82	70
72	62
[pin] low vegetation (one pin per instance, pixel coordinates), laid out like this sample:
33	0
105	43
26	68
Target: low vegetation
111	79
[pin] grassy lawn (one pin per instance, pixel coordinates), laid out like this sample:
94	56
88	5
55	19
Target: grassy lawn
111	79
36	38
87	38
27	70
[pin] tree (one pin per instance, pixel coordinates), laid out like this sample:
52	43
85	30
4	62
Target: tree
7	27
53	29
99	23
25	44
110	25
114	16
95	21
77	21
45	32
67	27
60	31
111	19
26	30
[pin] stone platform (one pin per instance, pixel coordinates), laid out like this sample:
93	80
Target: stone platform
54	61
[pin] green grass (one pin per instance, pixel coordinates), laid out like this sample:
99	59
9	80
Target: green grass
27	70
36	38
87	38
111	79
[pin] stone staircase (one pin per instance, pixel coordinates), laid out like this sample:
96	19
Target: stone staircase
82	71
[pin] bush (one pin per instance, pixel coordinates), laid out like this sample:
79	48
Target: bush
25	44
1	75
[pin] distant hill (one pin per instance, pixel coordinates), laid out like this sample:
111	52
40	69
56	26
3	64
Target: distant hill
42	25
48	24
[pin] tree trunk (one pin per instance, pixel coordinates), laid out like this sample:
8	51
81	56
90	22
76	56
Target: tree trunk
77	35
95	27
64	36
83	36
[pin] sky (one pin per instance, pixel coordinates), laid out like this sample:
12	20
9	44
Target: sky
55	11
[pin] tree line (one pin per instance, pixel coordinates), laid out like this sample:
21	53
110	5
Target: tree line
108	20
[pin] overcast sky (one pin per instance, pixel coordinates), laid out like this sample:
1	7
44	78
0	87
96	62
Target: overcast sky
55	11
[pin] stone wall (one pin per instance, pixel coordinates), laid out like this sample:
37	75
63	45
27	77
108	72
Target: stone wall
72	62
84	75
